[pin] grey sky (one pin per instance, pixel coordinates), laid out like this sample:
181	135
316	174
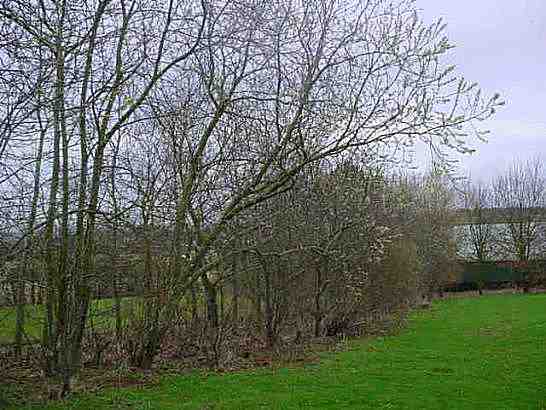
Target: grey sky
501	44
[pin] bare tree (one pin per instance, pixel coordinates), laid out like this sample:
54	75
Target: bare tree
433	205
477	230
94	59
236	98
247	116
477	207
520	197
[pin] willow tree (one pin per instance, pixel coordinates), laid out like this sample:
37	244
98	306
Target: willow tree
278	86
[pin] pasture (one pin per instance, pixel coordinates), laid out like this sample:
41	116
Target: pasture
100	313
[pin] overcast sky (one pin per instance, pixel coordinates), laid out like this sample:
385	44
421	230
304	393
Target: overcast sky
501	44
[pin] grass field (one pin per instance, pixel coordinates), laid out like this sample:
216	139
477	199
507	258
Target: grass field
33	323
101	313
475	353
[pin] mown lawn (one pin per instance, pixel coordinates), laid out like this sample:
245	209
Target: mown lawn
478	353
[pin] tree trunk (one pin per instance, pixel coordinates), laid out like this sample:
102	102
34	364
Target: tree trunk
222	302
194	314
148	349
319	288
19	314
235	291
212	304
270	333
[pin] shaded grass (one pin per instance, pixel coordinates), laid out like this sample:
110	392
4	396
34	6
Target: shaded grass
33	323
100	314
479	353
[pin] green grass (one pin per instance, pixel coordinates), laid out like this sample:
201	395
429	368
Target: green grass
480	353
101	313
33	323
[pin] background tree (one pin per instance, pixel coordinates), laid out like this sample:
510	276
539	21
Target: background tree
477	235
520	196
433	206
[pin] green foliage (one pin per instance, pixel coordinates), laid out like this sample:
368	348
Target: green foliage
481	353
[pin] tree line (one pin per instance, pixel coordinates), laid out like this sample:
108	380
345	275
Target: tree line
219	159
506	218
